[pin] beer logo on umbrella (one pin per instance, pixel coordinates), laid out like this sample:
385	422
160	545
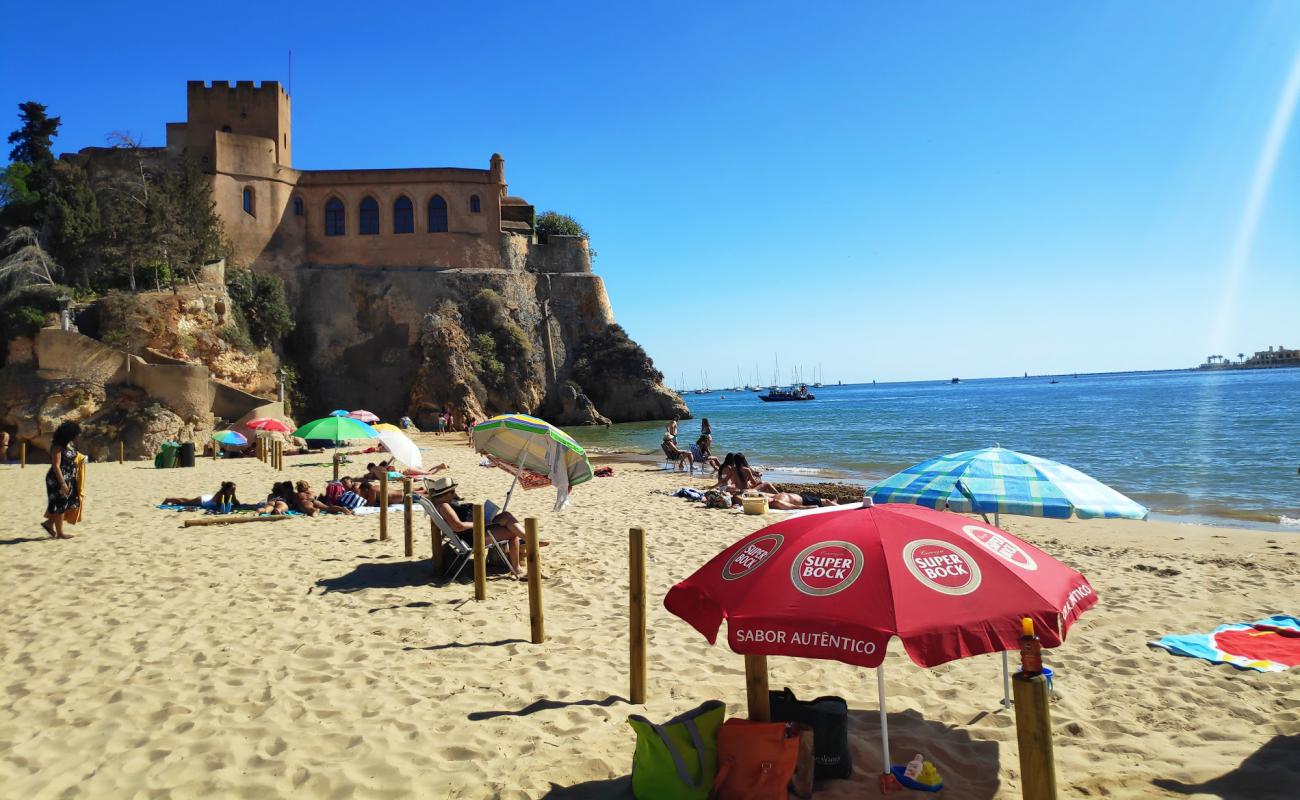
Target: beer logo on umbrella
1000	546
943	567
748	558
826	568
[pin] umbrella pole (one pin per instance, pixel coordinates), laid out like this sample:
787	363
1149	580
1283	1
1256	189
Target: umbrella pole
884	721
1006	681
518	468
997	520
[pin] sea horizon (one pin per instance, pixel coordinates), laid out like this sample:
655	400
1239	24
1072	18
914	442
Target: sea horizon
1166	438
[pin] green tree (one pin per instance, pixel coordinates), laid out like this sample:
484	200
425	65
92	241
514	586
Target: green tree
73	224
553	222
260	305
33	146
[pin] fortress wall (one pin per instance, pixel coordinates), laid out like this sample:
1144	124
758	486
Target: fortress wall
514	251
560	254
186	389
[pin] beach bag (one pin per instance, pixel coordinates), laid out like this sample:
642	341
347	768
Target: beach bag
756	760
678	759
716	499
829	719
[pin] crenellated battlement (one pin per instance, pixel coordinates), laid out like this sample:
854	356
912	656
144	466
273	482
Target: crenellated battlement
218	87
247	108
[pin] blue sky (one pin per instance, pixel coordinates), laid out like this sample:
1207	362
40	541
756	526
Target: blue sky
890	190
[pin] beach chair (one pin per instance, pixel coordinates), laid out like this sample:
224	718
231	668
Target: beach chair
675	456
462	552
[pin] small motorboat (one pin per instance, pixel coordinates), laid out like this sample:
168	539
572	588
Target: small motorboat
775	395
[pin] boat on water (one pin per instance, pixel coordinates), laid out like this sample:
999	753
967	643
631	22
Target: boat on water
798	392
956	380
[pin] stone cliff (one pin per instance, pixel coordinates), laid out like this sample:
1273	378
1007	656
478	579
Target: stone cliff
416	341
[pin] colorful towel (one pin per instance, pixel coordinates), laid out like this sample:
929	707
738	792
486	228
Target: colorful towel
1267	645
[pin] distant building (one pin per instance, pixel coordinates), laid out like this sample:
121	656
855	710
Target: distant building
1262	359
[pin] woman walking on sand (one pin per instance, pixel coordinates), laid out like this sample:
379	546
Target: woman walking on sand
61	480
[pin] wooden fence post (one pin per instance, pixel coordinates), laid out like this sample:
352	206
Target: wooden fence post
279	455
480	554
406	517
336	466
1034	732
760	709
383	506
22	454
636	600
535	617
121	452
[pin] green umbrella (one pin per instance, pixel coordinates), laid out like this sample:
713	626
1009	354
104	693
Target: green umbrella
336	429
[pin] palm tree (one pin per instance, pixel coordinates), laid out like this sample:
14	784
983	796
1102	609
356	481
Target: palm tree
1241	357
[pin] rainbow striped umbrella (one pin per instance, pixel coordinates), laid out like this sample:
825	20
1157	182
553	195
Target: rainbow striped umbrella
530	443
1005	482
232	438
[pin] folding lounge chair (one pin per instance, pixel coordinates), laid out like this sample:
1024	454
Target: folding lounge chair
674	455
462	552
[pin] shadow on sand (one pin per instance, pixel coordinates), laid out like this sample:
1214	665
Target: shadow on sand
22	539
389	575
456	645
1271	771
592	790
544	705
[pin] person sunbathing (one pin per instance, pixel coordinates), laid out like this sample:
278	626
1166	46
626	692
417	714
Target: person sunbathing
785	501
225	494
459	516
673	454
277	502
304	501
747	477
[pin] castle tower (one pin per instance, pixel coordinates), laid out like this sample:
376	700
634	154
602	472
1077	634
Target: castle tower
246	109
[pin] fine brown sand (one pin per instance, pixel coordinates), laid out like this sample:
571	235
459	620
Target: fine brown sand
141	659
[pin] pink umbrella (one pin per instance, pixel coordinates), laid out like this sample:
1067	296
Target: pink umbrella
364	416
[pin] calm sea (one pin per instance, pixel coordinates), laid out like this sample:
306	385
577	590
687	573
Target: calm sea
1217	446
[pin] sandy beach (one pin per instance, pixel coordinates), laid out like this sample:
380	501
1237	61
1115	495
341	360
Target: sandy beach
307	657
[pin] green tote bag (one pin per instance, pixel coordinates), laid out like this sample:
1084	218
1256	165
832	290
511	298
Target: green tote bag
677	760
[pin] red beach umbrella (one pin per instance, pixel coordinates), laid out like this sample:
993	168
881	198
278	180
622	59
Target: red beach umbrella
839	585
268	424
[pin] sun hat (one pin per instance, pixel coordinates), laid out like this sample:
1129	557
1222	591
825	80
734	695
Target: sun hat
441	485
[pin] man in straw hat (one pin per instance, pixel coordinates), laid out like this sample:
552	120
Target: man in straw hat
459	515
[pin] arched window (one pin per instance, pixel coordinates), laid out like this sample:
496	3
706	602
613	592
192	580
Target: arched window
297	206
248	201
403	215
335	217
368	225
474	206
437	214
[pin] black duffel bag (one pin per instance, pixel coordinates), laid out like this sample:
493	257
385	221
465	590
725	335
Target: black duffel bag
829	719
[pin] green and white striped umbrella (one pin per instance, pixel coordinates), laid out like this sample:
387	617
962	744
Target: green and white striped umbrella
521	440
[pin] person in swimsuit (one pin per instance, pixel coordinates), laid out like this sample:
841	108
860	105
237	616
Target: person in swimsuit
61	479
751	478
701	455
218	497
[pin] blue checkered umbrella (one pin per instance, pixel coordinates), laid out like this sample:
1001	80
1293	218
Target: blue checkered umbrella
998	481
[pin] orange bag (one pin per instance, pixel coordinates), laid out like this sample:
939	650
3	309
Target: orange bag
755	760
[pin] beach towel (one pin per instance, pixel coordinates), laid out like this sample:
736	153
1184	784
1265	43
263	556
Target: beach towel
689	493
1267	645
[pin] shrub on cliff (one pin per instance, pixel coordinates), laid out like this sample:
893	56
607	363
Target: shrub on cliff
553	222
260	306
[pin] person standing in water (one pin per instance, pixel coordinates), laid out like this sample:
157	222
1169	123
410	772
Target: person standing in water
61	480
705	428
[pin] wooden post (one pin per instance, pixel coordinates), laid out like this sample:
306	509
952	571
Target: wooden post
406	517
216	450
22	454
383	506
480	554
1034	732
279	455
224	520
636	600
760	709
435	539
535	618
336	466
121	452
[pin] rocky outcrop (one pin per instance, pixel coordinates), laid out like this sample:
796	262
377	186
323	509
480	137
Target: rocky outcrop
410	341
192	324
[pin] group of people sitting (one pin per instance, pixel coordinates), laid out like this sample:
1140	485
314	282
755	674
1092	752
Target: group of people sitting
737	479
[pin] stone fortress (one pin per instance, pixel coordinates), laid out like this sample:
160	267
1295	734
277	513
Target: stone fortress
280	217
376	262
